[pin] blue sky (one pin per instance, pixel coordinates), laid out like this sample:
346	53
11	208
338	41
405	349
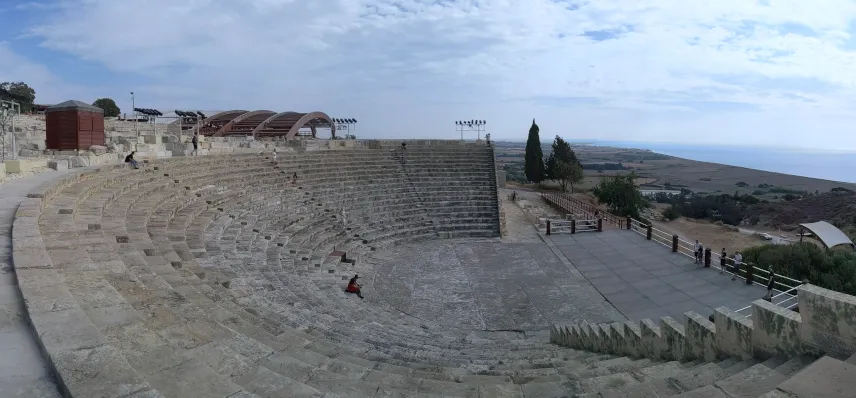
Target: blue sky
769	73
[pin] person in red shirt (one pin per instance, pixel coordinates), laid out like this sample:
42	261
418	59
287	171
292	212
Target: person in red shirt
354	287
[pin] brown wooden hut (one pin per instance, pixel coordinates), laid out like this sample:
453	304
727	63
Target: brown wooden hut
74	125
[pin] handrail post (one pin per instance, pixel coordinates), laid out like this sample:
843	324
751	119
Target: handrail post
675	243
650	232
707	258
573	226
600	225
629	223
548	226
749	273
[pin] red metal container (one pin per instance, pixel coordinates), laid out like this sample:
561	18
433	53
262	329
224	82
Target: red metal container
74	125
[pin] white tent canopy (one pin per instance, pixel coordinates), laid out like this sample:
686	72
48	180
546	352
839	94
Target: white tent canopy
828	234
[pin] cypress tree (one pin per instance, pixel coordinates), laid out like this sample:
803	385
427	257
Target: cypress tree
534	166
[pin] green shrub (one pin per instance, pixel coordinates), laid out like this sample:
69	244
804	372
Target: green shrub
835	270
671	213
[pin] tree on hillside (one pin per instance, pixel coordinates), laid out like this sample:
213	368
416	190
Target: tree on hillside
620	194
568	174
534	164
108	105
19	92
561	152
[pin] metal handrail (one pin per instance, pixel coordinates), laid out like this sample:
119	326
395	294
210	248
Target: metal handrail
689	245
788	292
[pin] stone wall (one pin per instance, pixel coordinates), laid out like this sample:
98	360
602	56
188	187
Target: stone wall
826	324
157	140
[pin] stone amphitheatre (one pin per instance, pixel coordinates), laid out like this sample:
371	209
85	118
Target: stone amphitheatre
223	276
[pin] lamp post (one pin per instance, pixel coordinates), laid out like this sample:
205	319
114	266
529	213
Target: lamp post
134	106
470	125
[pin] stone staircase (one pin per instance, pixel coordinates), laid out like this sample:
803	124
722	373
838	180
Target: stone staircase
772	354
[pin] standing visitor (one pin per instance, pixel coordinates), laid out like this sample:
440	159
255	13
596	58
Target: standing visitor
697	252
723	261
195	141
737	259
274	156
770	283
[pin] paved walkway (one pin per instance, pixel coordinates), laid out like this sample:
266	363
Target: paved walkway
643	279
23	370
519	229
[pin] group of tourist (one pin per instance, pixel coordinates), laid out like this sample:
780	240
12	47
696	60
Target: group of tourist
736	261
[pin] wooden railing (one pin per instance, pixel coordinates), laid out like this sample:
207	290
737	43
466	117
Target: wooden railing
572	205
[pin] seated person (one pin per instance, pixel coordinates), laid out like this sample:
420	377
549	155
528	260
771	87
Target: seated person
130	159
354	287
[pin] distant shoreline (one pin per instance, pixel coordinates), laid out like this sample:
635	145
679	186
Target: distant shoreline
811	163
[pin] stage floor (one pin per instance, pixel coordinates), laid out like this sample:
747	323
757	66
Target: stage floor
643	279
613	276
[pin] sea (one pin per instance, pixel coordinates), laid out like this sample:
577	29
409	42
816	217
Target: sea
815	163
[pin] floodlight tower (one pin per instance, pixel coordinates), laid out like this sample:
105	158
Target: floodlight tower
470	125
134	106
348	125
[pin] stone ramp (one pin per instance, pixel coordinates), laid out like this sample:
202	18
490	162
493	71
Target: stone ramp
643	279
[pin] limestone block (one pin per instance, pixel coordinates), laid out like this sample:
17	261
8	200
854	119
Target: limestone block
633	339
674	338
616	337
829	319
567	336
776	330
562	337
29	153
701	337
594	336
652	342
826	377
78	161
604	340
733	334
58	164
2	170
585	336
150	139
501	177
18	166
576	337
98	149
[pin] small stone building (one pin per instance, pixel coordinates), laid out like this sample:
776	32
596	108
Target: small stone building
74	125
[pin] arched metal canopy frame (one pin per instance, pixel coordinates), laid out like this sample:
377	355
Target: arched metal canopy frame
228	126
302	120
226	116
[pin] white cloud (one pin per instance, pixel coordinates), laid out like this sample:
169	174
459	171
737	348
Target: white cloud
412	67
49	88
